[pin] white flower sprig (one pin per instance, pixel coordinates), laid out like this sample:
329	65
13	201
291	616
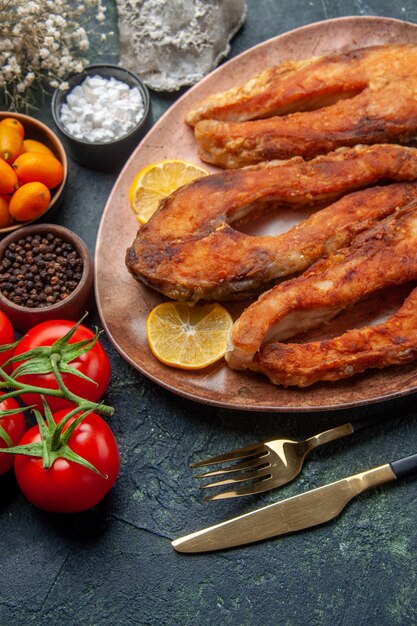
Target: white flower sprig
43	41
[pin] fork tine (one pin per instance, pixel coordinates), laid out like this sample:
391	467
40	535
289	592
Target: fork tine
233	455
240	479
261	484
257	462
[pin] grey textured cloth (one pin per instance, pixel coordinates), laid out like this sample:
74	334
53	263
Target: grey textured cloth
174	43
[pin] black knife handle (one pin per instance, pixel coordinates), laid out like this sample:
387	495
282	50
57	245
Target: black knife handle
405	467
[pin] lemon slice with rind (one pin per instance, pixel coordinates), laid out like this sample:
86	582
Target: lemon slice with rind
188	337
156	181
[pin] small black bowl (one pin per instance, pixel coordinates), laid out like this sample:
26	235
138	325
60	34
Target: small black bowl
109	155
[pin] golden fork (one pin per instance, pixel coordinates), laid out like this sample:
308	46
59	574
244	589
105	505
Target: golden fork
271	464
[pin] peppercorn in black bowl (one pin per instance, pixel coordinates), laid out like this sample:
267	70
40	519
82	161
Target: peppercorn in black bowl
46	272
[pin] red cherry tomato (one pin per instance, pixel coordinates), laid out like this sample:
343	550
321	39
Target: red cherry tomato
67	486
6	336
15	426
94	364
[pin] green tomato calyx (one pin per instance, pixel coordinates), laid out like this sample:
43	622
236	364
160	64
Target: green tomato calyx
54	443
54	359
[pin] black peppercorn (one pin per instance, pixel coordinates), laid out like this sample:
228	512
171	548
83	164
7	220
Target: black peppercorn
40	271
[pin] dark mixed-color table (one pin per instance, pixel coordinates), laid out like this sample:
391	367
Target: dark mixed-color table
115	564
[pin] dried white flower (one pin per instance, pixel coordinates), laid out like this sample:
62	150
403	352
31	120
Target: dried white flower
42	42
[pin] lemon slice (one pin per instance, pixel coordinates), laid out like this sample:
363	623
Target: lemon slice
188	337
156	181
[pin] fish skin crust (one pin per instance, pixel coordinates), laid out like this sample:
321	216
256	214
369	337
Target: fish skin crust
382	256
373	91
393	342
189	249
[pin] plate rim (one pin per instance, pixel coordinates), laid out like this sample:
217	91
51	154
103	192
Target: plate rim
221	403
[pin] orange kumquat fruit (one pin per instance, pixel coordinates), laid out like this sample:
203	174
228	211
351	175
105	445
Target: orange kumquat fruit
38	167
29	201
8	178
5	217
13	123
11	143
31	145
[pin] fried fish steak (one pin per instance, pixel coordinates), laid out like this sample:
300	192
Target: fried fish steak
189	250
393	342
308	84
382	256
312	107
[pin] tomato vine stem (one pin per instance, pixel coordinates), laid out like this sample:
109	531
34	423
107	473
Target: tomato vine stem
61	392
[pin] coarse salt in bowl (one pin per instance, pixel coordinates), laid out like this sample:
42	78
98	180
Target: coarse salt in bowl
102	115
85	113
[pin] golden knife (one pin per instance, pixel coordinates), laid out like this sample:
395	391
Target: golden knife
297	513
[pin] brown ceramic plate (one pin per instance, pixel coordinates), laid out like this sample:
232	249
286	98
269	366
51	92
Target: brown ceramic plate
124	304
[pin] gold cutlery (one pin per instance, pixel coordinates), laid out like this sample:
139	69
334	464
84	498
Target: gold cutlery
264	466
297	513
